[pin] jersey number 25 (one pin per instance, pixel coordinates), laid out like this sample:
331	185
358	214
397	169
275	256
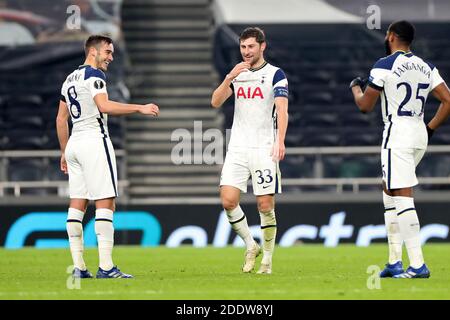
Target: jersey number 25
420	86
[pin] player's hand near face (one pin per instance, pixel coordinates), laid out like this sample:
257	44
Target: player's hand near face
238	69
63	164
150	109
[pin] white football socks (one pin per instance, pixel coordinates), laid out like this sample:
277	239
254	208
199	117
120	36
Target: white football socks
74	228
269	232
409	229
392	229
238	222
104	230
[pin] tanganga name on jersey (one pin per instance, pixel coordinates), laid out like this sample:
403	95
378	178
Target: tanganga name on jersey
405	80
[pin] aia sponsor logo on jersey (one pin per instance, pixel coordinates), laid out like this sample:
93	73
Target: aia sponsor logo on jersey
249	93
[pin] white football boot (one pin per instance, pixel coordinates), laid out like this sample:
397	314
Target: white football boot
250	258
265	268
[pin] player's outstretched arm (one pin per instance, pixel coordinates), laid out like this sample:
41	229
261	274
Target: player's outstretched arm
364	100
116	108
442	93
223	92
62	130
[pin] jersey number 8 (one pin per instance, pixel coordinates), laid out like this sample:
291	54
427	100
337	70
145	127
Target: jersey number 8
74	106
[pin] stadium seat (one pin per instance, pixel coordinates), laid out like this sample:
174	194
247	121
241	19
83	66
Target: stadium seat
356	119
361	166
26	170
320	120
295	117
295	137
440	138
26	139
295	166
54	172
354	137
318	97
331	166
321	139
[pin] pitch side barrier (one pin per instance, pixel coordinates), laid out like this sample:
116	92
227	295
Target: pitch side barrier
354	184
173	225
10	191
14	189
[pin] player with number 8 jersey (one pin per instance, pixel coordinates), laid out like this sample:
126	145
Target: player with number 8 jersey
88	155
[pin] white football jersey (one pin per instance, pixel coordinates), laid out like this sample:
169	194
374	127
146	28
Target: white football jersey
78	91
405	81
255	118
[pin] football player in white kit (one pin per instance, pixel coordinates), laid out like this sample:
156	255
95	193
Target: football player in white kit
256	143
88	155
404	81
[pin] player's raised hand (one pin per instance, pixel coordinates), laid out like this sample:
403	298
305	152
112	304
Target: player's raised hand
63	164
358	81
150	109
240	67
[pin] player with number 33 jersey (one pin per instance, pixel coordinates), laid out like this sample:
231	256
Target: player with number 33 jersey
257	142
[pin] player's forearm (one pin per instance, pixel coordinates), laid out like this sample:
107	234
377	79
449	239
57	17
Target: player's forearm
281	105
220	95
363	105
62	130
117	108
441	116
282	119
358	95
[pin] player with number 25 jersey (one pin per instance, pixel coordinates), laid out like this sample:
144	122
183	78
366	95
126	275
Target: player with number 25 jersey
403	81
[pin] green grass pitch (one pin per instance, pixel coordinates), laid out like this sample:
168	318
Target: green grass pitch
186	273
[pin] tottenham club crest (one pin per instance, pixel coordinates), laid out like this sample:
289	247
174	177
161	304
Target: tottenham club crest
99	84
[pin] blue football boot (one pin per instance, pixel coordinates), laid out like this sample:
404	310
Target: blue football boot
111	274
81	274
392	270
412	273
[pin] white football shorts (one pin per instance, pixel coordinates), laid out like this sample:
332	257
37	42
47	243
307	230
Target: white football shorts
399	167
91	164
241	164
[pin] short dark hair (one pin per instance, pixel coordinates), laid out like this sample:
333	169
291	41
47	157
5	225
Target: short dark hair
404	30
95	41
253	32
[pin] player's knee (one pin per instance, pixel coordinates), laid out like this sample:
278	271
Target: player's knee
229	204
265	207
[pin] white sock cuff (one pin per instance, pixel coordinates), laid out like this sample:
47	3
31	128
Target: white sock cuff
103	214
404	204
74	215
268	218
389	203
235	214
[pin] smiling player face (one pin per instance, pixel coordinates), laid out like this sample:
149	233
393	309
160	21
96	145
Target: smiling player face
104	56
252	51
